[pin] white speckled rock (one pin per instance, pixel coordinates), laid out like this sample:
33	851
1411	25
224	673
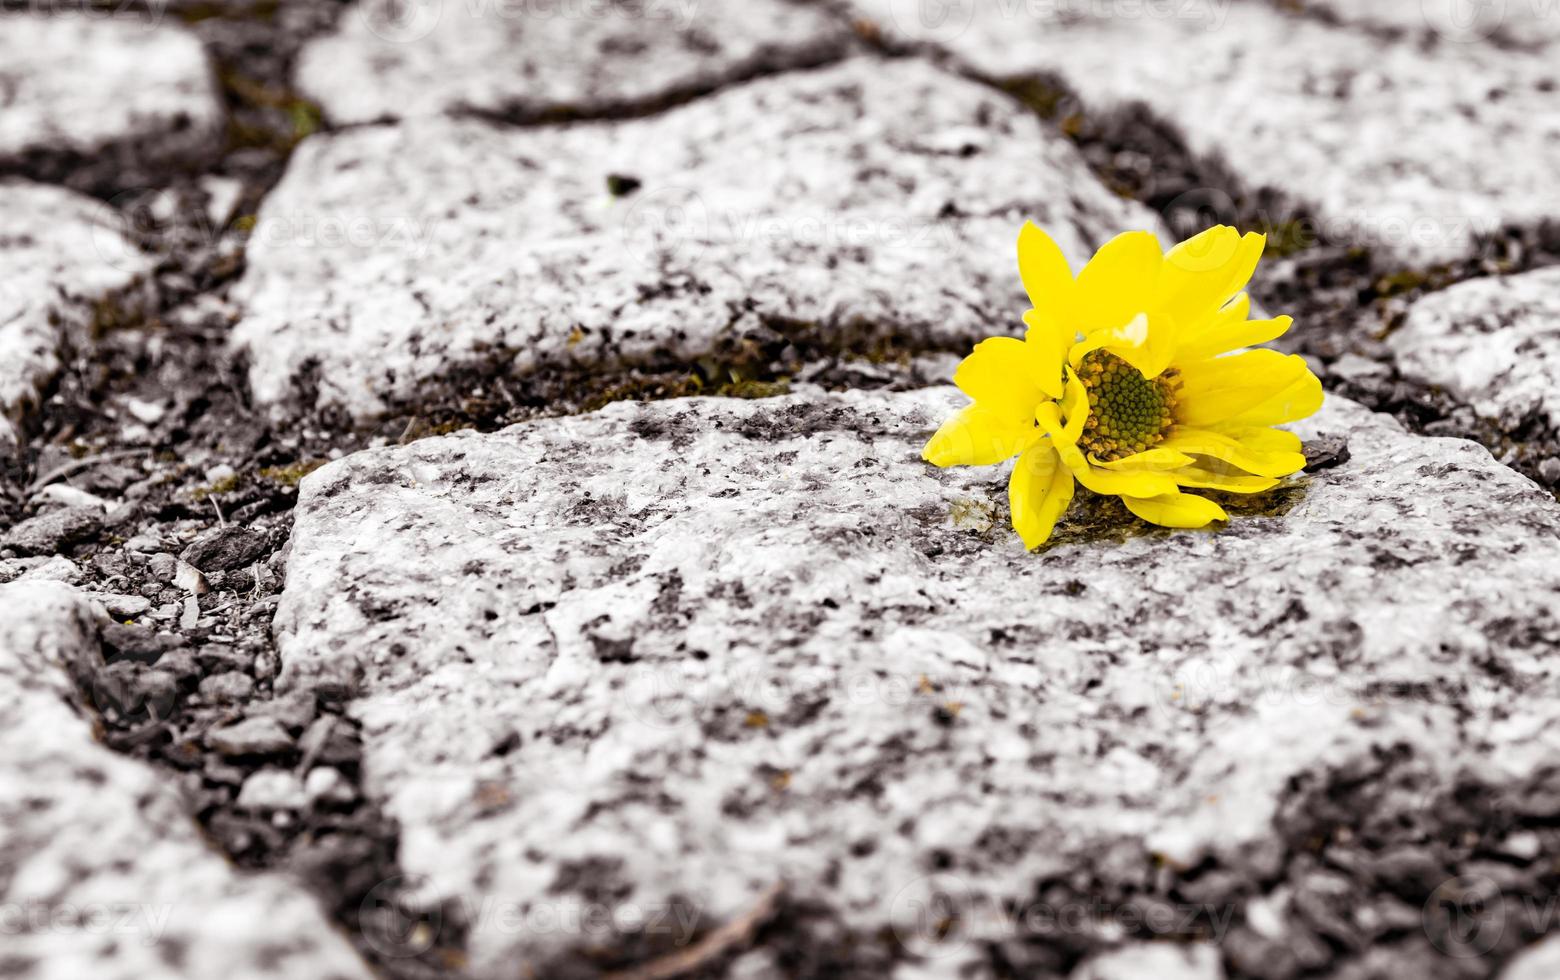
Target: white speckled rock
1155	961
61	252
1507	22
390	59
1410	148
81	83
1493	343
102	871
872	199
679	652
1541	961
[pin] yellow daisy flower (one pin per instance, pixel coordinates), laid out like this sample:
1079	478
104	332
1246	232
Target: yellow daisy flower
1125	382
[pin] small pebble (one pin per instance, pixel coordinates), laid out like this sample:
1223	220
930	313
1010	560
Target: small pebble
327	785
163	567
64	493
228	688
144	543
122	606
272	789
252	736
190	618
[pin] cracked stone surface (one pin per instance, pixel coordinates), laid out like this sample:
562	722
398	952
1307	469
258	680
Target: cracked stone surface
102	870
1413	149
1493	343
865	201
91	83
671	655
62	253
533	59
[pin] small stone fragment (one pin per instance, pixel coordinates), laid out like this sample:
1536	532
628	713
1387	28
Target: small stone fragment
272	789
189	578
228	688
226	547
53	531
163	567
121	606
252	736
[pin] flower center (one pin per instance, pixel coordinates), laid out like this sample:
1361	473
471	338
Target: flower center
1128	413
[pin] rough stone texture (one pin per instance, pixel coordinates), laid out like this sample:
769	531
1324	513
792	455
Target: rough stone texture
532	59
669	655
1541	961
1493	343
62	253
1154	961
1410	148
1506	23
90	83
102	871
873	199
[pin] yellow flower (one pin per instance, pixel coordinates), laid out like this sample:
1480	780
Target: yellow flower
1124	382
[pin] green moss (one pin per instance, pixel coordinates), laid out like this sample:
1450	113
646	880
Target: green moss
225	485
649	388
973	514
753	389
1402	282
1289	238
290	474
1043	95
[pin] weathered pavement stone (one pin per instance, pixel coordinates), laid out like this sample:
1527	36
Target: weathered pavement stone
1493	343
131	92
102	871
670	655
1409	147
871	200
532	59
62	253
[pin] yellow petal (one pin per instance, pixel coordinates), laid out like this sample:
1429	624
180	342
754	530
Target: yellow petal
1302	398
1147	343
1047	277
1004	376
1038	493
977	437
1176	510
1157	460
1124	483
1118	283
1203	442
1223	389
1076	407
1048	339
1232	336
1232	481
1264	439
1049	417
1202	273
